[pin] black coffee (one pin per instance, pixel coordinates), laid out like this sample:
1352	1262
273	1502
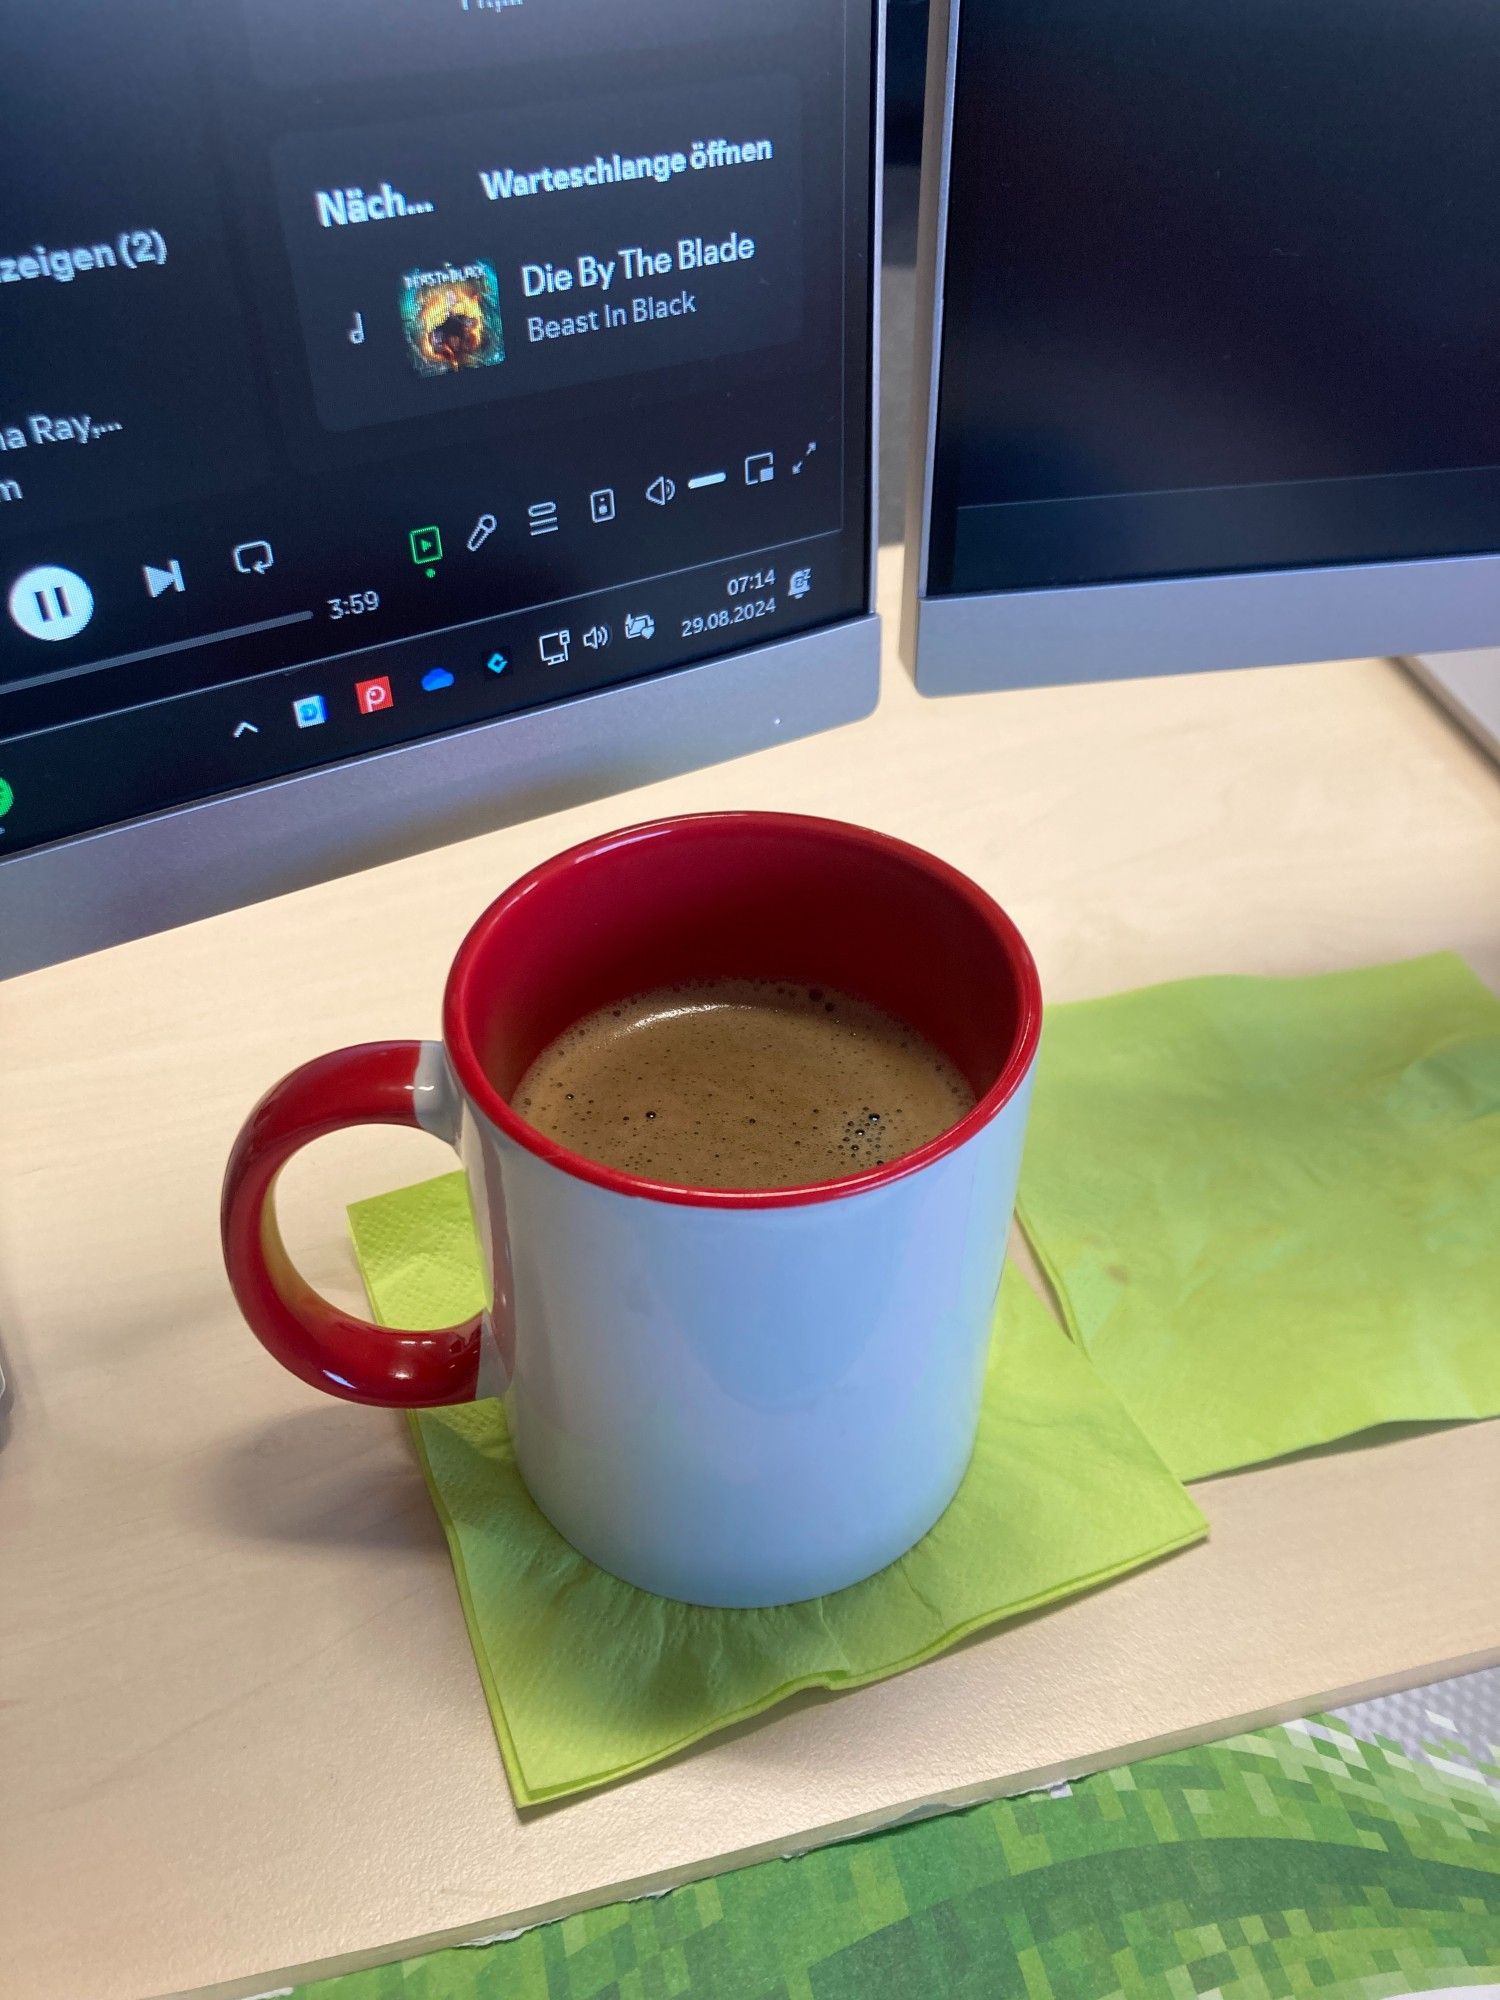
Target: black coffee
742	1083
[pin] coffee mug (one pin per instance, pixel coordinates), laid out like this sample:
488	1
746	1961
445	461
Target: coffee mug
728	1397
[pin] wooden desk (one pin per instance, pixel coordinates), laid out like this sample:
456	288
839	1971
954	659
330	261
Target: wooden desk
240	1727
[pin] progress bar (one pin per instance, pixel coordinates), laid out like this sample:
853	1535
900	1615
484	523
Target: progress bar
707	479
154	652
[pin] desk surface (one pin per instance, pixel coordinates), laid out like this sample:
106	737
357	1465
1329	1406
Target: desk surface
240	1727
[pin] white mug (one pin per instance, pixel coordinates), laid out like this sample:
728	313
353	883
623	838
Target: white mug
731	1397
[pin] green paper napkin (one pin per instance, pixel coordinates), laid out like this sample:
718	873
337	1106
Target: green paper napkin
590	1679
1271	1207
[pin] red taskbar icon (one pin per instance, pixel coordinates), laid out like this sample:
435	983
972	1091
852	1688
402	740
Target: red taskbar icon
375	695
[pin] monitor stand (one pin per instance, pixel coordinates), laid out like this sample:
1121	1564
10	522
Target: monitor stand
1468	686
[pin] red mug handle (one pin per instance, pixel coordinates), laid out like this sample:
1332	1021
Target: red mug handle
379	1083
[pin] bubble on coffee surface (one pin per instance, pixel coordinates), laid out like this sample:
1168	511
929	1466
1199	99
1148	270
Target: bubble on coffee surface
742	1083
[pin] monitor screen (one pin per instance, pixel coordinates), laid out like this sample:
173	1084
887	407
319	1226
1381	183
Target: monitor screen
1220	291
373	369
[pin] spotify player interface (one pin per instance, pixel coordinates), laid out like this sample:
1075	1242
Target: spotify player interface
374	368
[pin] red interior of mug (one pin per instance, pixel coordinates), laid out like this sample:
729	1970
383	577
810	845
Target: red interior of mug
753	895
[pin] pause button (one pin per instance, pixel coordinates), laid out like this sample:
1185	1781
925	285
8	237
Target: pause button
50	602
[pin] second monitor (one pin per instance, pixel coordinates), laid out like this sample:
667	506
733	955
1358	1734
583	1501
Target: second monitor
1214	301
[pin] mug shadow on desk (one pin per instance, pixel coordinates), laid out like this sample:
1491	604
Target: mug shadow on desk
7	1398
334	1475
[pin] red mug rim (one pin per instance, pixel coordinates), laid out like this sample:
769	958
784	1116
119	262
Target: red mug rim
482	1093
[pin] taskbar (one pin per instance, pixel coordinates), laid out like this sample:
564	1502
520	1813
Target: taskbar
100	771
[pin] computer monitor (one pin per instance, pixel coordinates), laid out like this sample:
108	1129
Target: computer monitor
414	415
1215	294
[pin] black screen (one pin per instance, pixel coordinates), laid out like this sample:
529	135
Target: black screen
373	368
1222	289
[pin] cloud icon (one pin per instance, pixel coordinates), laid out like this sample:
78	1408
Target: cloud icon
435	678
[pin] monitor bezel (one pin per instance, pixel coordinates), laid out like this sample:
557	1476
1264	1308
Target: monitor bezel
115	884
967	643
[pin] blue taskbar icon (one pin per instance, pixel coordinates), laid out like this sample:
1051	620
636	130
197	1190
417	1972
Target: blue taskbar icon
310	710
497	663
435	678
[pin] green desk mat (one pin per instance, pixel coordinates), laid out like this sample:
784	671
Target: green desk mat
1270	1208
589	1679
1321	1858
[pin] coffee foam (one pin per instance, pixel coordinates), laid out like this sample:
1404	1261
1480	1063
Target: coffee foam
742	1083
